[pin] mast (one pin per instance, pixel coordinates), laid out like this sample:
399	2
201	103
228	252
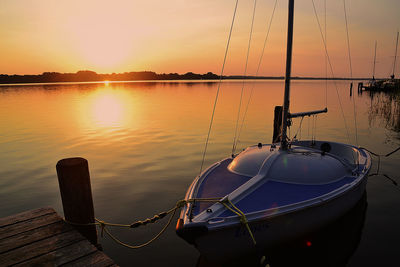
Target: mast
373	71
395	55
285	111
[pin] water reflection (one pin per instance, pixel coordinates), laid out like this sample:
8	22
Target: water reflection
385	108
105	108
331	246
143	160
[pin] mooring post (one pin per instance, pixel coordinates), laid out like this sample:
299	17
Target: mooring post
351	89
76	195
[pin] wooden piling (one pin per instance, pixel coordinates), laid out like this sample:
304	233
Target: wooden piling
277	124
351	89
76	195
360	87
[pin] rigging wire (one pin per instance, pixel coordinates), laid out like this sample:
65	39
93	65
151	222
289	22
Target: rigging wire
331	70
351	70
373	69
315	128
395	54
326	61
298	129
258	69
244	75
219	86
312	129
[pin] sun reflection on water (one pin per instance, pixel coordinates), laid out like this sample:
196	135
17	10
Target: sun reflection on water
106	108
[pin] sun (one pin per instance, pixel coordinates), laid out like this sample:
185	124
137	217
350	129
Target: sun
101	40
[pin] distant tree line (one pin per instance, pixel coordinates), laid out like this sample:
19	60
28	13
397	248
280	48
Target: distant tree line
91	76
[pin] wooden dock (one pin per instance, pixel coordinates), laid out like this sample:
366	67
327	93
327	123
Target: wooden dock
41	238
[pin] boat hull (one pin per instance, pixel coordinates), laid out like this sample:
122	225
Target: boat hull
293	193
230	242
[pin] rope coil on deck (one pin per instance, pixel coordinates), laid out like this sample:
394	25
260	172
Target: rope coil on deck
181	203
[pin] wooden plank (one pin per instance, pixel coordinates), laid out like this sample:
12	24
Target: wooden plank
39	248
23	216
62	255
28	225
97	259
34	235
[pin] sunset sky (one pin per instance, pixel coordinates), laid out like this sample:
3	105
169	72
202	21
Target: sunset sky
187	35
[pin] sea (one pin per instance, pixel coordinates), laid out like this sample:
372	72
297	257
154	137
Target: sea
145	141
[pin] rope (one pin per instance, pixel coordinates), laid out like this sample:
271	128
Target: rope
146	243
103	225
379	163
351	70
244	75
242	216
258	69
381	155
218	89
332	73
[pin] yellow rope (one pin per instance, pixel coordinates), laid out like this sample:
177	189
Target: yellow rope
242	216
146	243
179	204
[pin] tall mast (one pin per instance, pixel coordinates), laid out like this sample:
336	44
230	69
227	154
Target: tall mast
285	111
395	55
373	71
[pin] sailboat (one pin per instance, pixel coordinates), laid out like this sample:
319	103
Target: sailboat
393	83
374	84
386	84
271	193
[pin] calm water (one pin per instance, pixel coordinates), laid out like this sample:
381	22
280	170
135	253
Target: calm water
144	143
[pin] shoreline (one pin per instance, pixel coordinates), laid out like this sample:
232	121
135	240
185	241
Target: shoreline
228	79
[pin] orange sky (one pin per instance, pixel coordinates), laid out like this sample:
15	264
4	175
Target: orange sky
188	35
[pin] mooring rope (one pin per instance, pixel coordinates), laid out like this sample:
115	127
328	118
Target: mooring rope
218	89
379	164
104	229
227	203
242	216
